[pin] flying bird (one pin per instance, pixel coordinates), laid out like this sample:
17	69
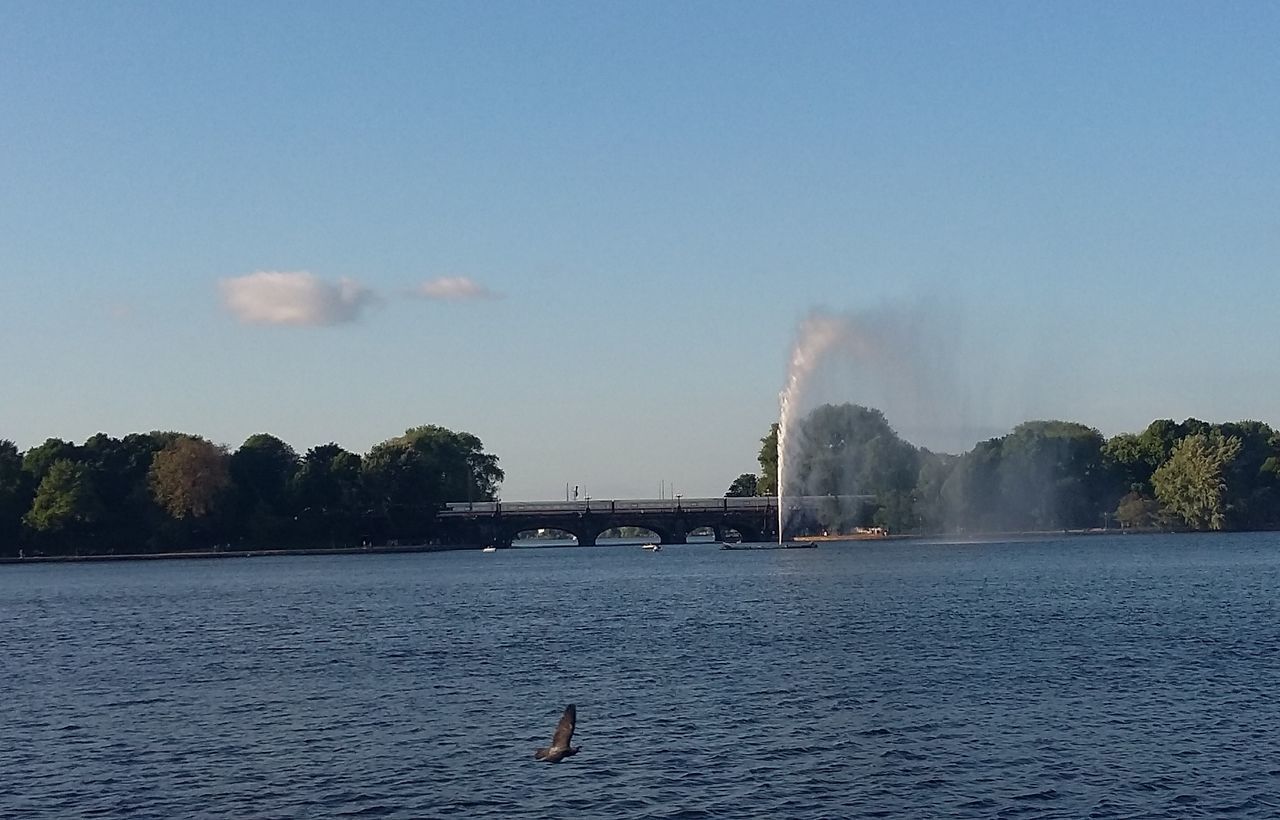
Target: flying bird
560	748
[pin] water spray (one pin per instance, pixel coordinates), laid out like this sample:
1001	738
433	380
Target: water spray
897	358
816	336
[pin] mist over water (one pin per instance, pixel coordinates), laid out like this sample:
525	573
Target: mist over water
912	361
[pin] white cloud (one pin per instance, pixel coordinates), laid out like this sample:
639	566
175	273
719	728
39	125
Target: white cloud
293	298
453	289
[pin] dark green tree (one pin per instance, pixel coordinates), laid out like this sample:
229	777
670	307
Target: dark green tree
329	476
1052	476
1251	479
1043	475
1131	459
768	458
845	451
120	471
16	492
743	486
971	492
849	449
467	473
930	510
262	474
263	470
328	494
408	478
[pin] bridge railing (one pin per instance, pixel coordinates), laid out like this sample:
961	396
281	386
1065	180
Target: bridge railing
460	509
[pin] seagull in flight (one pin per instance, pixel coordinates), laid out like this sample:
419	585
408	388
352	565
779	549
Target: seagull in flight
560	748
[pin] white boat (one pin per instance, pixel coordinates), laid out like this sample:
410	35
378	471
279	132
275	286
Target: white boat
652	547
490	548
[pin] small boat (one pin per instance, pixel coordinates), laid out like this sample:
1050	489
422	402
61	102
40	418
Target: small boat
789	545
652	547
490	548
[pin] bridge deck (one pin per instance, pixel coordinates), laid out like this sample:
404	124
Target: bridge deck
643	506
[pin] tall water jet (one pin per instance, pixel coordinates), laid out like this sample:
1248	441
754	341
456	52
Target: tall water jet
899	358
817	334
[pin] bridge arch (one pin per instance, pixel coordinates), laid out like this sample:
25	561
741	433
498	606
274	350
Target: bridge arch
628	534
543	533
496	522
582	535
663	534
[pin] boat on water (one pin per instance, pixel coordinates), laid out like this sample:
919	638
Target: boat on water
789	545
490	548
652	547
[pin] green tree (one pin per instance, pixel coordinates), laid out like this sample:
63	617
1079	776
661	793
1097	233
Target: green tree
930	506
328	477
1131	459
120	470
1163	435
971	492
38	460
16	492
1042	475
189	476
328	494
768	458
1192	484
262	474
466	472
743	486
409	477
65	505
1052	476
896	511
848	450
1251	478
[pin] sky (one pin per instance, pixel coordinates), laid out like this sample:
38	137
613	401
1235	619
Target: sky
588	233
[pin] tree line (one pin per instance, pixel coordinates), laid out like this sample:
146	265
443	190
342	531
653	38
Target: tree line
162	491
1043	475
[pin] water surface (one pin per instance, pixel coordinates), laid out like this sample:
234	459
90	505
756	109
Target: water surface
1086	677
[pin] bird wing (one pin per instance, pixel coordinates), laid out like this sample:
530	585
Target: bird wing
564	729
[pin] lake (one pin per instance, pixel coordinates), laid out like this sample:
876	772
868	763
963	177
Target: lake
1103	676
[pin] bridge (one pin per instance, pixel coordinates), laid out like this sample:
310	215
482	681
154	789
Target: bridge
753	518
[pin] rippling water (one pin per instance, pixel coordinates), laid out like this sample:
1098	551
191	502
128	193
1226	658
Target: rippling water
1087	677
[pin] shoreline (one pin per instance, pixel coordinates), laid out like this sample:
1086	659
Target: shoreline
999	536
203	555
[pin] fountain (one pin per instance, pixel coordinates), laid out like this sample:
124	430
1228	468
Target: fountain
817	334
899	358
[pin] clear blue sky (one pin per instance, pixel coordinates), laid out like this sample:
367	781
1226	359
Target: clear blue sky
1067	210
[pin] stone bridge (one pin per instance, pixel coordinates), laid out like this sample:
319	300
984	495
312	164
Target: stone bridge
499	522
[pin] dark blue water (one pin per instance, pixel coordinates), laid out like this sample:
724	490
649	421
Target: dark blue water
1088	677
